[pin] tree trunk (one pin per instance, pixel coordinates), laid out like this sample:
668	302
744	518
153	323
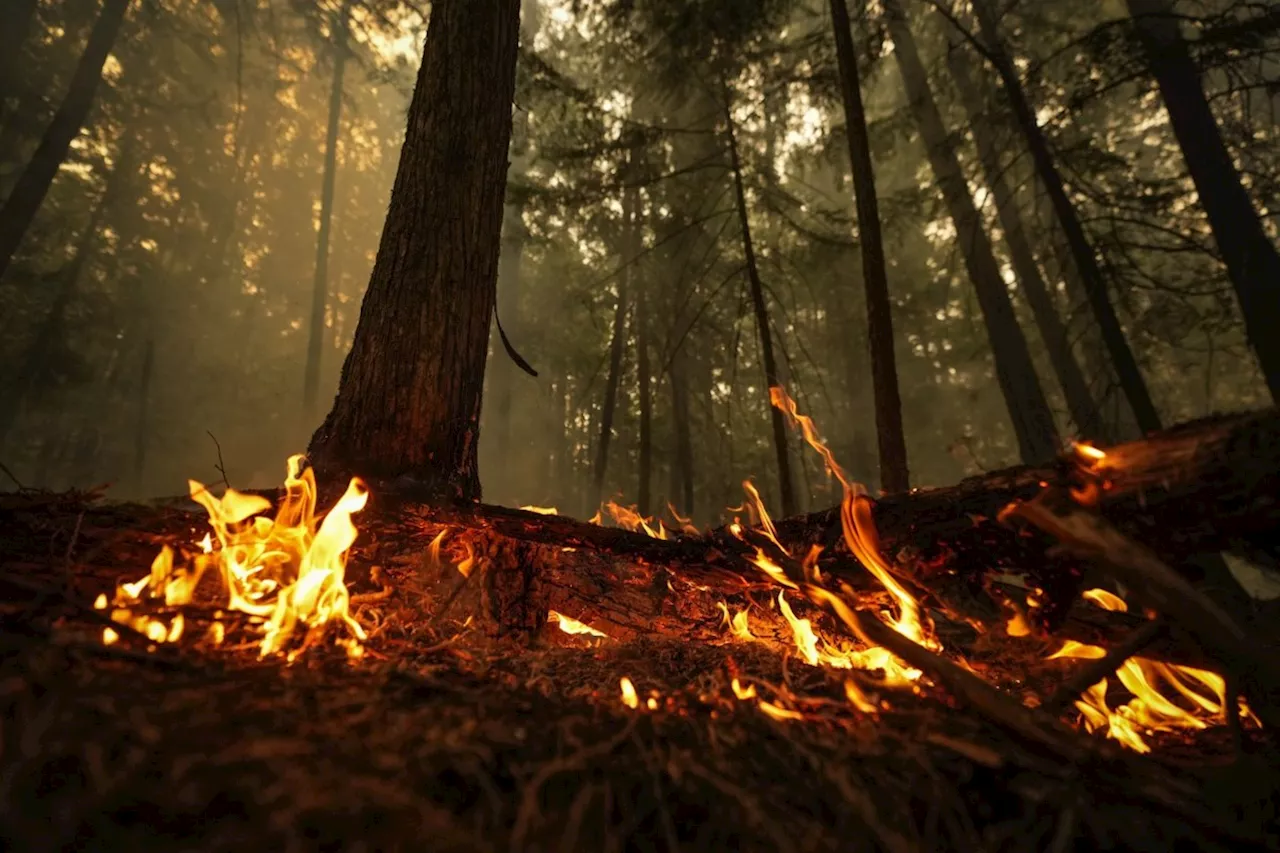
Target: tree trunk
785	487
1085	261
28	193
884	369
320	286
16	19
142	424
1028	409
1253	264
644	376
681	485
1084	411
408	403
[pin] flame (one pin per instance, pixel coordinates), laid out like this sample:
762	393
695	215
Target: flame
573	626
737	622
1150	710
1017	626
686	524
541	510
857	698
288	570
629	697
468	562
1088	452
743	693
628	518
779	713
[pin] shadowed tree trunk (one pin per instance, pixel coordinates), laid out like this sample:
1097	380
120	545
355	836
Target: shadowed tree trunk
16	19
616	344
786	489
1023	395
33	184
1080	403
1253	264
894	475
320	286
644	377
408	403
1082	254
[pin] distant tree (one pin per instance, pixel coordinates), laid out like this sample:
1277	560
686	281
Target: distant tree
892	442
1015	373
1251	258
408	403
19	209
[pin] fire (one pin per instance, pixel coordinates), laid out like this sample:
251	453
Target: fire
288	571
1150	710
573	626
1088	452
629	696
628	518
541	510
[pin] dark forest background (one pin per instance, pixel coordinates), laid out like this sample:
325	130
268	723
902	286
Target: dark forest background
159	309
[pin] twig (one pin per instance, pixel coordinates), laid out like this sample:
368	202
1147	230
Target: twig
71	546
1104	667
221	467
9	474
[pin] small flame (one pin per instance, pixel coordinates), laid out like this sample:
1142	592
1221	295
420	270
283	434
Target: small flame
1090	453
628	518
629	696
779	713
573	626
288	570
1150	710
541	510
109	636
468	562
1017	626
857	698
743	693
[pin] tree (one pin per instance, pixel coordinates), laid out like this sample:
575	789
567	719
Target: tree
884	369
408	402
1082	253
320	287
28	193
1252	262
1080	403
1023	395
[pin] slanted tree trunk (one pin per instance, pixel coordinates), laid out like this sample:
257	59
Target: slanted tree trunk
1253	264
408	403
1082	254
1028	409
1080	403
786	489
320	285
884	368
28	193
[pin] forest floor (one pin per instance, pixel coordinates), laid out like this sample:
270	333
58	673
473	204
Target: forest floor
441	738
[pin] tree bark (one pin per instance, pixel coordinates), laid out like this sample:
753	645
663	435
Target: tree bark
1253	264
1085	261
681	486
408	403
16	20
28	193
644	370
894	476
320	285
1080	403
1028	409
786	488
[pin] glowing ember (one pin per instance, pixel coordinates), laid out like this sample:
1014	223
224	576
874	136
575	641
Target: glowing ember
541	510
779	713
743	693
1017	626
288	570
1089	452
1150	710
629	697
573	626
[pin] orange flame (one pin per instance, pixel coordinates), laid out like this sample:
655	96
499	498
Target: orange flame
629	696
289	570
573	626
1149	711
541	510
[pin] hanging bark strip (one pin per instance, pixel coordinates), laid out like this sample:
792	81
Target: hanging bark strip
785	486
890	437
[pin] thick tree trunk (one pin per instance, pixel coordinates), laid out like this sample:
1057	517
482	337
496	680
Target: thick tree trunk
1080	403
16	20
1253	263
320	285
884	369
681	486
1083	257
786	488
28	193
408	403
1023	395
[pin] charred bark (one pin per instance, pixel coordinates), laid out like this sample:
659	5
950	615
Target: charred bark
1080	403
1085	261
408	403
1023	395
320	285
28	193
1253	264
786	488
894	476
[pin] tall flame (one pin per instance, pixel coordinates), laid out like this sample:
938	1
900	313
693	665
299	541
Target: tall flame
289	570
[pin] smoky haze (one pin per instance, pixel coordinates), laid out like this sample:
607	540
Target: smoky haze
158	313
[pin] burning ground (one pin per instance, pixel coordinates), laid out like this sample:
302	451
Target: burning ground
389	675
